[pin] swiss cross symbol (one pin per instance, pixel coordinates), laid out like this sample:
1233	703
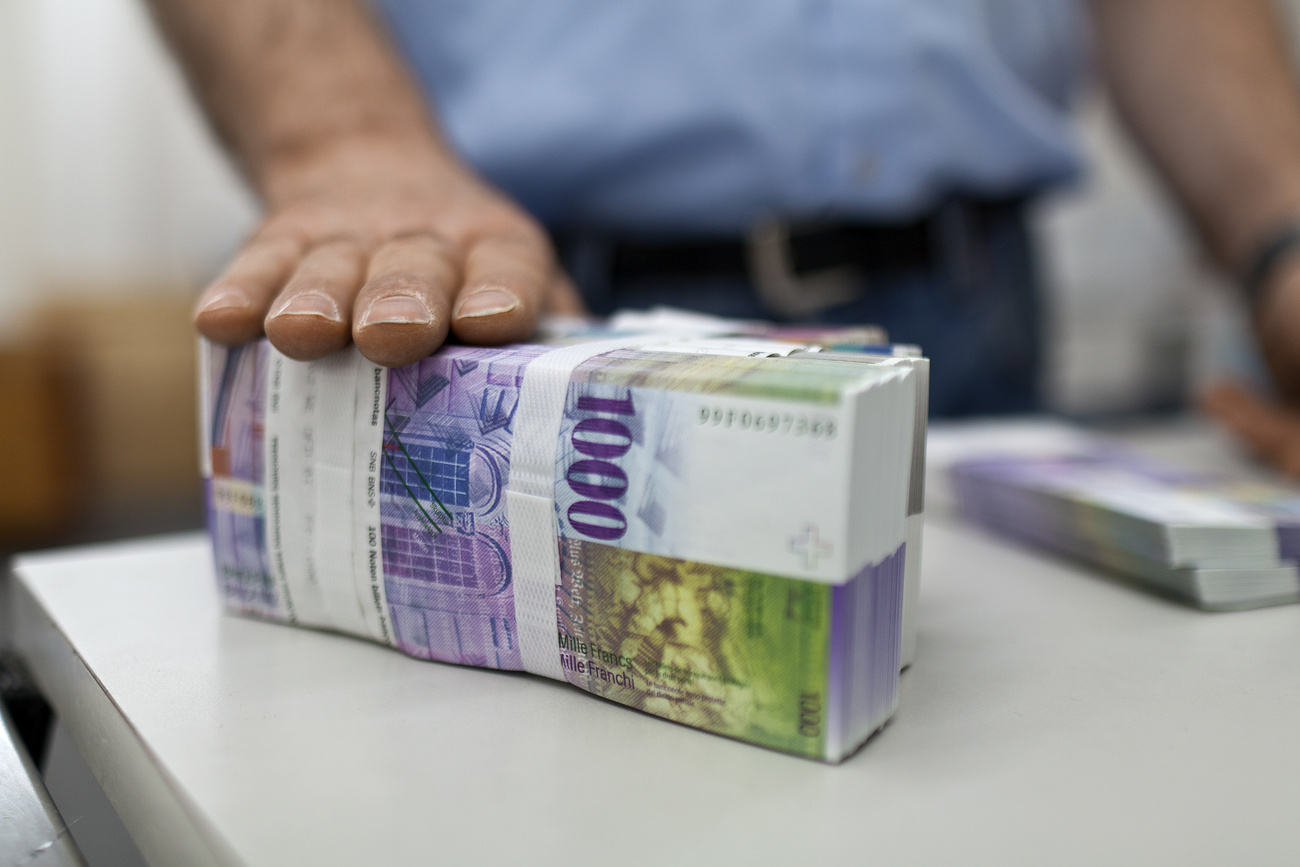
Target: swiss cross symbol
810	545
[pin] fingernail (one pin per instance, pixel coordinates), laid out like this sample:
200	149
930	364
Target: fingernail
486	302
396	310
227	299
310	304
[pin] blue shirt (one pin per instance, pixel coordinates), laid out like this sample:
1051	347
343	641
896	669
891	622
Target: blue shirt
701	116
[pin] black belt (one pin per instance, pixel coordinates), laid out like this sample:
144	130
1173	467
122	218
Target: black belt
868	248
800	269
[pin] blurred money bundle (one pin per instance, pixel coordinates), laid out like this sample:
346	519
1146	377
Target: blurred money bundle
712	530
98	429
1214	540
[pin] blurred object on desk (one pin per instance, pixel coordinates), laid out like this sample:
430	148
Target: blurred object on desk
131	361
100	427
1217	540
41	463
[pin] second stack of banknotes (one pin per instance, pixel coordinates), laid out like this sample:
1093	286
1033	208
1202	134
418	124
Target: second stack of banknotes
709	531
1220	542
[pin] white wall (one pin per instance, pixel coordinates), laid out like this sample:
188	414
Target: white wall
106	169
16	195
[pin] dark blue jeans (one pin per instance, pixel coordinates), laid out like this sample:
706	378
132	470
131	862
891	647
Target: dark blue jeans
975	310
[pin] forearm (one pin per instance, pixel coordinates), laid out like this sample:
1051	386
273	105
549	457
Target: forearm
282	80
374	231
1208	88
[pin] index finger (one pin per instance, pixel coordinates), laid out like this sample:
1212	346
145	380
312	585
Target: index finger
232	309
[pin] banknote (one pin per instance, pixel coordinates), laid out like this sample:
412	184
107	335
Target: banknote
688	324
730	529
233	471
1211	539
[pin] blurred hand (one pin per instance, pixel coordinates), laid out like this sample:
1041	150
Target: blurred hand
1271	431
387	241
1267	427
1277	328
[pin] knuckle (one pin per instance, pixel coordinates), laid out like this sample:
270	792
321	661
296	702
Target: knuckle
527	233
426	239
276	236
340	243
511	229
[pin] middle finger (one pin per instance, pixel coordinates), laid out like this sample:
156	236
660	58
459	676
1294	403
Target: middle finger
403	310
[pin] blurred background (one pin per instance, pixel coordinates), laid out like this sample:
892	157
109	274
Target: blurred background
116	206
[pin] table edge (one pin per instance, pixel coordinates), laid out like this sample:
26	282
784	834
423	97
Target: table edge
162	820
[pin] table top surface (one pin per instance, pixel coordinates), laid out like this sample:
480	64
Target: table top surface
1052	716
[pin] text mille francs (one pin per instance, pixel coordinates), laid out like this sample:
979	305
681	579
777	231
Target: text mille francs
568	642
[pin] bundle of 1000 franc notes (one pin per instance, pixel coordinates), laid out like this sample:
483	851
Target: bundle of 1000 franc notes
714	539
1218	542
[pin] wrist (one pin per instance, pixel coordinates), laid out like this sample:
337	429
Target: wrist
1261	204
1267	266
1275	313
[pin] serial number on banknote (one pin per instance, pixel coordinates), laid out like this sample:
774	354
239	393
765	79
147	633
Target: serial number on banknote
793	424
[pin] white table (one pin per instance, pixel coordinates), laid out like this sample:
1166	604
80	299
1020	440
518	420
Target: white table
1052	717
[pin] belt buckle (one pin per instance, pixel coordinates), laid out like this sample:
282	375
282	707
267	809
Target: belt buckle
771	268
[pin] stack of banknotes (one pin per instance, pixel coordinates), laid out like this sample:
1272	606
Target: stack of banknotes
1216	541
712	529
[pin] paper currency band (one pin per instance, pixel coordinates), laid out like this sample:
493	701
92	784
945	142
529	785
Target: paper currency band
530	497
328	574
530	490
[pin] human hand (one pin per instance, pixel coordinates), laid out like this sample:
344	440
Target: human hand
390	242
1270	430
1276	321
